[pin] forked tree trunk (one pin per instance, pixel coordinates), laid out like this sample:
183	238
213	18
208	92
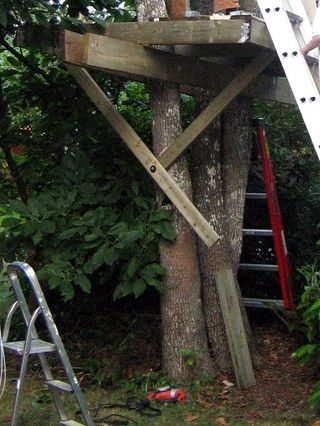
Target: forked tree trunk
220	162
184	337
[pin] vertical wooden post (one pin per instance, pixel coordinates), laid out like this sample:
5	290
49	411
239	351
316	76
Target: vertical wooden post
237	339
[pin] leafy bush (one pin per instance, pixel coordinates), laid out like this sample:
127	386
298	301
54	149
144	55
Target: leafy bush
79	230
310	307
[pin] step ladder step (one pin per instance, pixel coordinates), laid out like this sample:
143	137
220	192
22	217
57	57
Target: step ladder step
70	423
258	267
262	303
37	347
294	18
60	386
256	196
257	232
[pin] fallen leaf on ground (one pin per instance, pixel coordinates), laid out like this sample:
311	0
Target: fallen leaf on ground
191	418
221	421
316	423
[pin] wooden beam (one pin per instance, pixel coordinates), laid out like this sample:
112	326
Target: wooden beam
179	32
237	340
145	156
131	61
233	89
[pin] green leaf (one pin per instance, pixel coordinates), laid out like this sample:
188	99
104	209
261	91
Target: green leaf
84	283
129	237
315	306
133	266
304	350
165	229
111	255
118	229
99	257
160	215
100	22
139	287
69	233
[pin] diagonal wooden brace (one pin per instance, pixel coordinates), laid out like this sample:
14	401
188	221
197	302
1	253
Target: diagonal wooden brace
231	91
145	156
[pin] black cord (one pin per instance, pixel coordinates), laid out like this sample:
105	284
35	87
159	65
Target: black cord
142	407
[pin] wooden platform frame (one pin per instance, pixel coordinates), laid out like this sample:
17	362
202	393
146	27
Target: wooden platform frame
121	50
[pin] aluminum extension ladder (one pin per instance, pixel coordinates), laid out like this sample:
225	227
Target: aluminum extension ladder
276	231
32	345
290	29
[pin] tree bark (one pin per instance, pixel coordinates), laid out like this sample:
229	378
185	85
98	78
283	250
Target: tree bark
219	169
184	336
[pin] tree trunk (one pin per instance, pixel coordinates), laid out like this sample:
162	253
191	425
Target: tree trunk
184	338
219	169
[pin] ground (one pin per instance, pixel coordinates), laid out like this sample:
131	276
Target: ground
279	398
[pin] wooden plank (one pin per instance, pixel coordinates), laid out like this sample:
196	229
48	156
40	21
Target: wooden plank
259	34
233	89
131	61
145	156
235	331
178	32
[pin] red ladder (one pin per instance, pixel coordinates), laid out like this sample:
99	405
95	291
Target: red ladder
277	231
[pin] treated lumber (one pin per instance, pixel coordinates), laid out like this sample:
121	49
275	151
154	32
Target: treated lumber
233	89
134	62
178	32
240	30
235	331
145	156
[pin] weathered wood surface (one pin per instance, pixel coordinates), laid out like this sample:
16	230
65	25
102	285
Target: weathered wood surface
178	32
233	89
237	339
244	29
145	156
131	61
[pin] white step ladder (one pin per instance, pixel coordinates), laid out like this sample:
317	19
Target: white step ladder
32	345
290	29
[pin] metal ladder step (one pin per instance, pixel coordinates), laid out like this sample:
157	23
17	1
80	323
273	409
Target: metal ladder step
37	347
256	196
257	232
70	423
262	303
59	386
258	267
294	18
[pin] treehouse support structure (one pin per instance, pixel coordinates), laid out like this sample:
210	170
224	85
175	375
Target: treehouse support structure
230	56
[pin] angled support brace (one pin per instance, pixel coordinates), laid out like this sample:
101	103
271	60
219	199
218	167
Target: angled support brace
231	91
145	156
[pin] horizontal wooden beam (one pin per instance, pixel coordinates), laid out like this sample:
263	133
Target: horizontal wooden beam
145	156
184	32
233	89
132	61
178	32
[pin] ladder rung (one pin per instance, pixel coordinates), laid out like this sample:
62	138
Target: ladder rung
256	196
70	423
257	232
258	267
311	60
294	18
262	303
60	386
37	347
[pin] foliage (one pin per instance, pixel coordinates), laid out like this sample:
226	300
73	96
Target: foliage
86	224
310	308
91	213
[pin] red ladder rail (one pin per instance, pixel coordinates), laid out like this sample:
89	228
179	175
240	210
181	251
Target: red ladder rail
275	217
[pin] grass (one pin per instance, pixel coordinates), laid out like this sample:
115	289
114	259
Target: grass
38	410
